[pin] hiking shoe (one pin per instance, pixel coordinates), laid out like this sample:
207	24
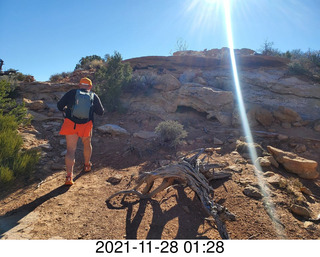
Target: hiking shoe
87	167
69	181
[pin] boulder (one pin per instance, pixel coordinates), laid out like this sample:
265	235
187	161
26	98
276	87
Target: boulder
200	80
293	163
316	126
252	192
286	115
301	211
166	82
264	117
187	76
35	105
114	130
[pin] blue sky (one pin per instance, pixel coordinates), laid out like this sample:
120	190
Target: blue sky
45	37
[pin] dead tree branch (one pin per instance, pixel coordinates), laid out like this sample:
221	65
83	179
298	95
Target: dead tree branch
191	172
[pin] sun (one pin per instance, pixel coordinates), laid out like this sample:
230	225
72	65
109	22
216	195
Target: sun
205	14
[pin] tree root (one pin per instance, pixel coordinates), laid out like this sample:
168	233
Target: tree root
190	172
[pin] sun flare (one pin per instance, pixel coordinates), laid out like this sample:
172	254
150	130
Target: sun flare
212	1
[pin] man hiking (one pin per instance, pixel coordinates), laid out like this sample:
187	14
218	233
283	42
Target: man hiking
79	106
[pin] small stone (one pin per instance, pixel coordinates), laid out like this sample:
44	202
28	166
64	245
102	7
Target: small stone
286	125
297	124
115	179
252	192
63	153
306	190
46	146
309	225
274	180
217	141
316	126
57	166
164	162
268	174
300	210
300	148
145	134
264	162
282	137
273	161
235	168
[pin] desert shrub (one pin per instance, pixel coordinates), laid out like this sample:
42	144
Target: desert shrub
111	79
141	82
171	132
55	77
59	76
89	62
304	63
6	175
268	49
181	45
96	64
14	161
23	77
297	68
8	106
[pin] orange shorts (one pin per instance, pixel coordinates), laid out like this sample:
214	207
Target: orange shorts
82	130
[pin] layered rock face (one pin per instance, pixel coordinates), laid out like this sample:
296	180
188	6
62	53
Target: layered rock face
204	81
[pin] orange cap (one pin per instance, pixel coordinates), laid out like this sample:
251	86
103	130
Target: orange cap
86	81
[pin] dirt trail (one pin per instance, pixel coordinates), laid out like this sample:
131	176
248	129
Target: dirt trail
49	210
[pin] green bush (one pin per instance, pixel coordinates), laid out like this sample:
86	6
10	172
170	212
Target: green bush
171	132
297	68
14	162
304	63
6	175
111	78
59	76
89	62
9	106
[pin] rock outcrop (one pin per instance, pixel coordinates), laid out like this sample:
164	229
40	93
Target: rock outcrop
204	81
304	168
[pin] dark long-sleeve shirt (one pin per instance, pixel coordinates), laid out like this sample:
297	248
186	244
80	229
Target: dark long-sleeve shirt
68	101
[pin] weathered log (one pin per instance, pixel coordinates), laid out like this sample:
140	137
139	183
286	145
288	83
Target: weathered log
188	171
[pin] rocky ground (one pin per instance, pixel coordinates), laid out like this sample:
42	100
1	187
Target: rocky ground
46	209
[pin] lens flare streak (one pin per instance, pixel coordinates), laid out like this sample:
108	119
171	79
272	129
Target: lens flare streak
245	124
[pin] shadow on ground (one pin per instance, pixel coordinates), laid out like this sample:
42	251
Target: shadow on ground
12	218
186	230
